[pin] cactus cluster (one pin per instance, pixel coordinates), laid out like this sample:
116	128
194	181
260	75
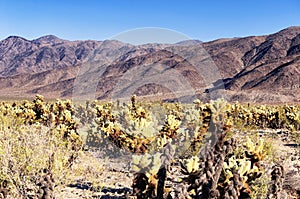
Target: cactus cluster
179	150
266	116
209	166
30	132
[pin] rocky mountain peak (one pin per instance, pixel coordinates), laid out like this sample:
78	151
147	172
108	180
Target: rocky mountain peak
48	39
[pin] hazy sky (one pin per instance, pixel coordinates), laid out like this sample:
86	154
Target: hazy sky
101	19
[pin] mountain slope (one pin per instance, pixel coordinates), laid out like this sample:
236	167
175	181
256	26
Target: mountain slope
271	66
257	68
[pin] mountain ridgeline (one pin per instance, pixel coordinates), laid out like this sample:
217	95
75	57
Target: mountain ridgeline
262	69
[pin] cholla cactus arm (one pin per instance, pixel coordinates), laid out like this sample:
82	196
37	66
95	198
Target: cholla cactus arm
148	175
255	151
277	176
191	165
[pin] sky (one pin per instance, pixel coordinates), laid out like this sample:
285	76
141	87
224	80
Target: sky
104	19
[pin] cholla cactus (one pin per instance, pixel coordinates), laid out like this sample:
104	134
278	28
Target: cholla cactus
203	175
277	182
219	172
124	140
39	106
172	124
191	165
219	110
255	151
246	173
147	163
149	176
293	117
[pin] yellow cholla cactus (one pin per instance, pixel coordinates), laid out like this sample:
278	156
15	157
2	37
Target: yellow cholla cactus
242	166
256	150
147	163
172	122
191	165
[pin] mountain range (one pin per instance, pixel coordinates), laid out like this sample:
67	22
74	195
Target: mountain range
261	69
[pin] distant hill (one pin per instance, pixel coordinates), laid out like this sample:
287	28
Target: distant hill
257	68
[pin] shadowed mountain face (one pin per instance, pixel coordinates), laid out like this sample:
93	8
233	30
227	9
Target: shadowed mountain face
256	68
